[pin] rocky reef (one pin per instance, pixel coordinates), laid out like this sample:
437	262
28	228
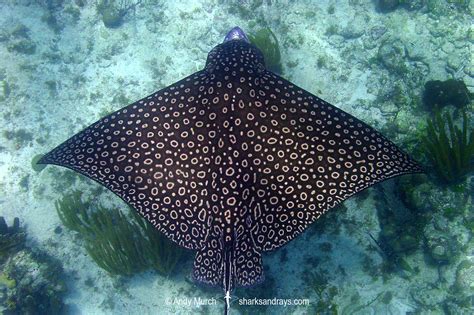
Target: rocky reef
113	12
438	94
30	280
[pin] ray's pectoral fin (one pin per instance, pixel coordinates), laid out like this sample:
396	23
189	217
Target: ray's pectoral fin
248	262
208	262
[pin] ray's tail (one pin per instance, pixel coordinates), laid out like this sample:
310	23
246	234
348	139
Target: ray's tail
227	303
228	281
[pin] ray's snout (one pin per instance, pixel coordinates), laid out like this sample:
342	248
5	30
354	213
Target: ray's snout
236	33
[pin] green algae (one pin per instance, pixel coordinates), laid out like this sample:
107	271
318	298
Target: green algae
451	212
119	245
163	254
267	42
113	12
7	281
113	243
73	212
12	238
449	148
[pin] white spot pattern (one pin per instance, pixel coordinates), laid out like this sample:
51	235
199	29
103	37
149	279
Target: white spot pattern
233	158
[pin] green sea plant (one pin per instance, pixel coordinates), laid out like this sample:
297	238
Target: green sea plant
114	11
267	42
449	148
12	238
438	94
117	243
7	281
163	254
73	212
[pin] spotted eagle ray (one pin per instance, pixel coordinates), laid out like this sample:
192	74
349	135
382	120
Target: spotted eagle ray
232	161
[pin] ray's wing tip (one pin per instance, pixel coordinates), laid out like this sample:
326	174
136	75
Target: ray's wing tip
45	159
257	281
202	282
417	168
412	169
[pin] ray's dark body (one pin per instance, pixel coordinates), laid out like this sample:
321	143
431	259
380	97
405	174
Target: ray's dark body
232	161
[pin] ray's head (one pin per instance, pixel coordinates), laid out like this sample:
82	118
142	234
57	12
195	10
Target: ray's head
236	34
236	53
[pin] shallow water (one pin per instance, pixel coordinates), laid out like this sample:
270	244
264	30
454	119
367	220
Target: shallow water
403	246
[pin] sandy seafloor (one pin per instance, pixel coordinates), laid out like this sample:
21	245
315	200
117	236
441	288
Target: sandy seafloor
81	70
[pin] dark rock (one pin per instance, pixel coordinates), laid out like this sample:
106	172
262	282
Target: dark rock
58	230
392	54
22	46
438	94
388	5
377	31
112	18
